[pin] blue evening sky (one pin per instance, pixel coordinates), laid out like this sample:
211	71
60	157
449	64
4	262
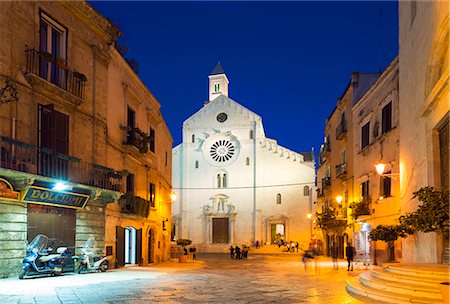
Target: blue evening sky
286	61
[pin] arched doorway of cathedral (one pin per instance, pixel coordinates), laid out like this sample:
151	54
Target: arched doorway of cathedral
151	246
128	246
276	227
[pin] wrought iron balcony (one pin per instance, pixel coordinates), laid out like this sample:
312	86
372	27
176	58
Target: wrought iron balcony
326	182
131	204
23	157
139	139
55	70
341	170
341	130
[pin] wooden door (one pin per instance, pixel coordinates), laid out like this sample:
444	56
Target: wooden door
120	247
139	247
220	230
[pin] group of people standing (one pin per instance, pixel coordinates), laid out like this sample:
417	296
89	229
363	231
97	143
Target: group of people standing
238	253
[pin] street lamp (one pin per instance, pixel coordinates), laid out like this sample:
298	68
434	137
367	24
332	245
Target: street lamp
173	197
339	199
309	215
380	167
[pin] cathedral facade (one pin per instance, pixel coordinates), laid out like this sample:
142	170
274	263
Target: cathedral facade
234	185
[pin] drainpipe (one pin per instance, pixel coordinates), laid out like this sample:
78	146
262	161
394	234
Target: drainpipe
94	86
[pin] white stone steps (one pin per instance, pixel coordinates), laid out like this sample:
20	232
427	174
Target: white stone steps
424	274
357	289
411	280
414	289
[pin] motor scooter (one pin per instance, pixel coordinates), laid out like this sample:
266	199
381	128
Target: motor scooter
39	261
89	261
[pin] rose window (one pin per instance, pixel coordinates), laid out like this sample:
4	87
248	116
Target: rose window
222	151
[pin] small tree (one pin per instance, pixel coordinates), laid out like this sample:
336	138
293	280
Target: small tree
183	243
389	233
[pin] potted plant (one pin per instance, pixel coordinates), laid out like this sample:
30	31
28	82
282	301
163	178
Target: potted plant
183	257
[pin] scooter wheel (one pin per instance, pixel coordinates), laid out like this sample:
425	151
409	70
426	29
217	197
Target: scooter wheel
23	273
104	266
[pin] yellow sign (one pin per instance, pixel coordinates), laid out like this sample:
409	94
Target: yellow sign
7	191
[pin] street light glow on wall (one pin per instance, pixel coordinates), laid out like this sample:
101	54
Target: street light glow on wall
339	199
380	168
173	197
309	215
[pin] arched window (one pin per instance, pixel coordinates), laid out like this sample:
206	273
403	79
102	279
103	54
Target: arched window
247	161
251	134
221	180
196	164
193	138
306	191
278	198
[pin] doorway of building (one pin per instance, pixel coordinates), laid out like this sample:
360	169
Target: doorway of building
220	230
128	246
277	233
151	245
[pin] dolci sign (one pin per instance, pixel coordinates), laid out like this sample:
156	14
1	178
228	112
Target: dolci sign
47	196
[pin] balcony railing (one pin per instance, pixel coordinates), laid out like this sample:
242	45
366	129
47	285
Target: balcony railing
47	67
139	139
131	204
341	170
326	182
341	130
19	156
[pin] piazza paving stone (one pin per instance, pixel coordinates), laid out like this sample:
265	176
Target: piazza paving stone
213	278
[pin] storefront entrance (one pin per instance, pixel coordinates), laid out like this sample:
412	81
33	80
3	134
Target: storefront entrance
220	230
59	224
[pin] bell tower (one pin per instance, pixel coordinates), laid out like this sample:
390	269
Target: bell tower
218	82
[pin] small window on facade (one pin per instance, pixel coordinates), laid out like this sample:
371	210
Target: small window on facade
216	87
193	138
152	195
278	199
152	140
251	134
306	191
343	157
365	135
365	189
130	183
221	180
165	162
196	164
247	161
386	118
131	123
385	183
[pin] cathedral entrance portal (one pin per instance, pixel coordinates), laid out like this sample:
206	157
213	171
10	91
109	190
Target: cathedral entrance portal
220	230
277	233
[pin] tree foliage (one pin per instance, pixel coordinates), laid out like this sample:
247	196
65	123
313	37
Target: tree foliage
327	219
389	233
184	242
360	208
432	215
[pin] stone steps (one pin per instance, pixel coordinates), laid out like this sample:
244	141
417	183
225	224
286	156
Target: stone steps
400	284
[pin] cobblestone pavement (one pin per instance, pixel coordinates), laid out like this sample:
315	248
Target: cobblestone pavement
213	278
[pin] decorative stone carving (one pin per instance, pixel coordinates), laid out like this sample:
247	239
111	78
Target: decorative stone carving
8	93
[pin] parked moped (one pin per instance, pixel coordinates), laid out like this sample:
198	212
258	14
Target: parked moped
89	261
39	261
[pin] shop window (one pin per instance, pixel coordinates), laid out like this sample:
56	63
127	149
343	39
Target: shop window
130	183
365	135
152	140
386	118
306	191
278	199
152	189
385	183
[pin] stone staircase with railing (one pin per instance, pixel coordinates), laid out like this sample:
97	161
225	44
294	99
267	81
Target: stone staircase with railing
400	283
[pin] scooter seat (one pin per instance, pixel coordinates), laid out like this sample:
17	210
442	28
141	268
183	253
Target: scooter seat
47	258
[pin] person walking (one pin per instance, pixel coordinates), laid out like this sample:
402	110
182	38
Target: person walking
232	252
334	256
350	252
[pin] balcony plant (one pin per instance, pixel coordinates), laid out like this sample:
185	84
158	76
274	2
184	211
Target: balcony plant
328	220
360	208
131	204
183	257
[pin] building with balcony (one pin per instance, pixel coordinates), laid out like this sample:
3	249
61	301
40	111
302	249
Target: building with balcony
234	185
335	171
376	140
424	117
65	161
